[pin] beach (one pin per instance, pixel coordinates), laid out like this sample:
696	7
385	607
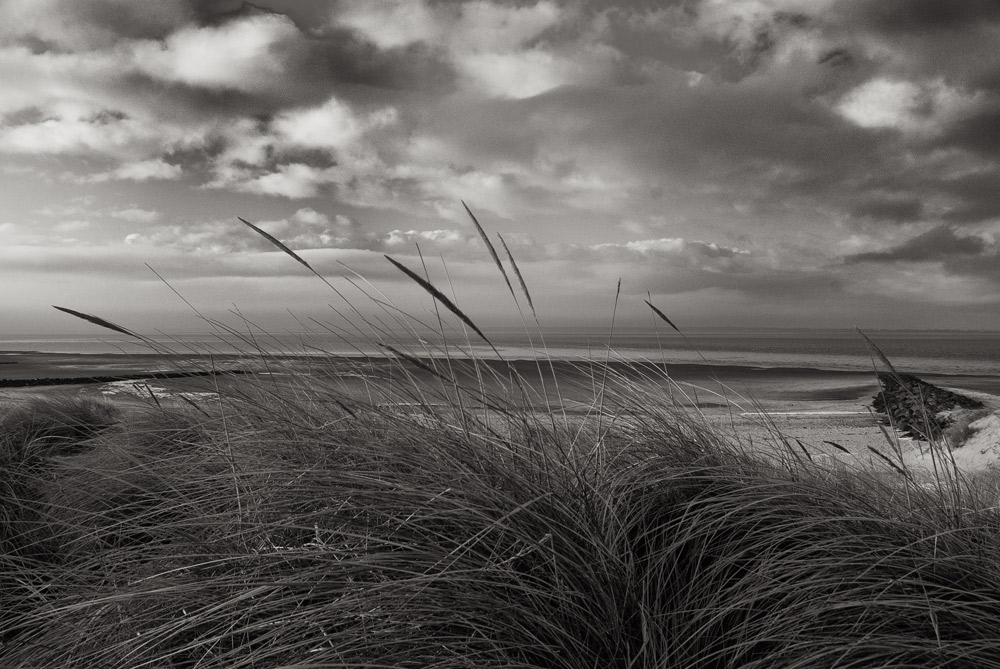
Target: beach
811	407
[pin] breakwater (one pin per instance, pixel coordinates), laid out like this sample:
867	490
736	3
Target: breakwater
914	406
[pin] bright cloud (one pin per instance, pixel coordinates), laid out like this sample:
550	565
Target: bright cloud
332	126
242	54
293	181
391	24
145	170
904	105
75	133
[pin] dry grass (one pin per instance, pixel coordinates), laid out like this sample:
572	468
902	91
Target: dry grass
414	539
448	523
957	432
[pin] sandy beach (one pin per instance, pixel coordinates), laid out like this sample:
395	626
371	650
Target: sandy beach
809	406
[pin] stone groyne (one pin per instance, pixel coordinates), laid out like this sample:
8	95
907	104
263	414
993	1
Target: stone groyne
914	406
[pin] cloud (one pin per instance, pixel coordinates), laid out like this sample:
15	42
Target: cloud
146	170
262	158
923	16
136	215
936	244
446	239
905	105
293	181
244	54
391	24
305	229
466	27
693	252
143	170
676	265
91	24
75	131
909	288
496	48
72	226
732	147
332	125
883	207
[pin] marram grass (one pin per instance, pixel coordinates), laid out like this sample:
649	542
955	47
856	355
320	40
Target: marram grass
170	539
447	523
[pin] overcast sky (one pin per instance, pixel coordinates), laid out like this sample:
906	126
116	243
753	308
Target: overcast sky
817	163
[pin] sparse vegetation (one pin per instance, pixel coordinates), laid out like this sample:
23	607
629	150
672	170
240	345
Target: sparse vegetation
958	429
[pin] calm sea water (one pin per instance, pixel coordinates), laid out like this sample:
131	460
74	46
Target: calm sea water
937	352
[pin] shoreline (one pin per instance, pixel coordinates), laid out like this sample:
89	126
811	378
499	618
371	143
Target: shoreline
708	386
814	407
615	361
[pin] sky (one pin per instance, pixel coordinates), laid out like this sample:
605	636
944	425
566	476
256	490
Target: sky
744	163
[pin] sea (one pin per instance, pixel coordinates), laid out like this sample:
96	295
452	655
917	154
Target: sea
943	352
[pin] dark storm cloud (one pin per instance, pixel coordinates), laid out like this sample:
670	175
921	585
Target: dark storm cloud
781	134
899	210
924	40
922	16
96	23
763	136
341	56
980	133
977	196
938	244
316	68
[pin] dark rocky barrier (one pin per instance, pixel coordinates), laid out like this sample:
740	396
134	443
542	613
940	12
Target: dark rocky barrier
913	404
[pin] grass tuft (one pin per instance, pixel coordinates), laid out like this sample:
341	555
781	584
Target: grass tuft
388	541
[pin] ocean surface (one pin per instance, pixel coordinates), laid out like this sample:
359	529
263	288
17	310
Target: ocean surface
927	352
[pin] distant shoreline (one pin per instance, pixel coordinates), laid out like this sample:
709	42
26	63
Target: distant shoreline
50	365
792	383
86	380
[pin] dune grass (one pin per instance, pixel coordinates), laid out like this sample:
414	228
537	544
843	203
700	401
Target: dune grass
390	538
450	522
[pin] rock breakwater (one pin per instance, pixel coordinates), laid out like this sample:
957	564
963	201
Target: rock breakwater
916	408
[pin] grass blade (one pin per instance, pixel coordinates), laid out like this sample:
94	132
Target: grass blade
274	240
888	461
804	450
517	273
663	316
440	297
873	347
837	446
490	248
96	320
